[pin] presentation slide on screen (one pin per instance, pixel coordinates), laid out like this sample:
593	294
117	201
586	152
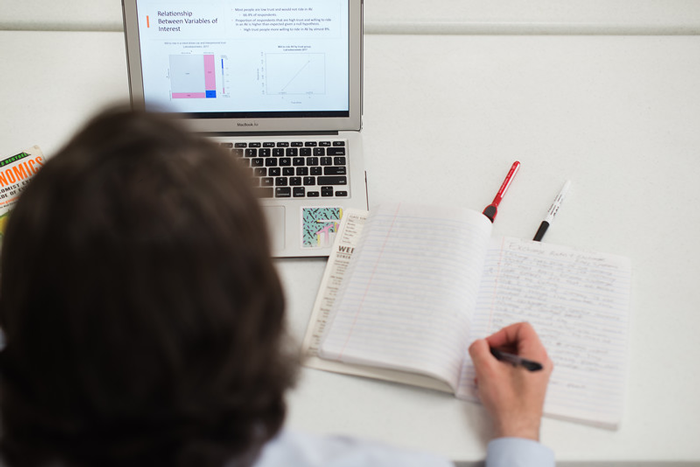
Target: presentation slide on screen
242	56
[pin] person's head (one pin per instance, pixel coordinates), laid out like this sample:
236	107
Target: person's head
143	316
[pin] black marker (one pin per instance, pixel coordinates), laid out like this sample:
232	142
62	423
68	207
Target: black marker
553	210
516	361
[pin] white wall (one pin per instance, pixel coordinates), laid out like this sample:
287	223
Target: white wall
418	16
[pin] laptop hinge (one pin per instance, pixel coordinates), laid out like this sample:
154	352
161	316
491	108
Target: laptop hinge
260	134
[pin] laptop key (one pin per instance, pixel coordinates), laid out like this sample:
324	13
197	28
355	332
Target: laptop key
312	194
335	151
309	181
326	191
281	181
338	180
335	171
338	143
283	192
298	191
341	193
288	171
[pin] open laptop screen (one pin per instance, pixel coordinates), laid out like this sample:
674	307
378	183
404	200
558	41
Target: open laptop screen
245	59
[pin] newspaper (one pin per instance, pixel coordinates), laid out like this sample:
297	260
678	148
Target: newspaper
345	241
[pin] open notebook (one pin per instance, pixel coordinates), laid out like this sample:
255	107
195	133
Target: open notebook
408	289
276	83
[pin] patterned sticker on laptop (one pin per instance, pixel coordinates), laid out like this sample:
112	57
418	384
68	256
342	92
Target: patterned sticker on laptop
319	226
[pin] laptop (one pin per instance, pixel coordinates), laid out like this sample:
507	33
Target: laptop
276	83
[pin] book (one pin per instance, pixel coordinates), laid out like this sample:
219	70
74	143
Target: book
15	172
408	288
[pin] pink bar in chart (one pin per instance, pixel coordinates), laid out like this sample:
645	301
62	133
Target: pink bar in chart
209	75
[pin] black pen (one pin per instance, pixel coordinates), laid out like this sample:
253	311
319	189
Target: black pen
515	360
553	210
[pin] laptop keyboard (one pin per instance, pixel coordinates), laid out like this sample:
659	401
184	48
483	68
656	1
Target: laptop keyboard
295	169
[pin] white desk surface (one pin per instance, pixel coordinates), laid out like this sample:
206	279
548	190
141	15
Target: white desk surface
619	116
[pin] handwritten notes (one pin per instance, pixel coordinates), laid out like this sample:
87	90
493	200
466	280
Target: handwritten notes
404	300
578	303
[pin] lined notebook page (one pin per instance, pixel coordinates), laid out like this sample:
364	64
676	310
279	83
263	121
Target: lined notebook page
344	245
578	302
409	292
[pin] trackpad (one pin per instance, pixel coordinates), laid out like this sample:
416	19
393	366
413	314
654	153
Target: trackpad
275	226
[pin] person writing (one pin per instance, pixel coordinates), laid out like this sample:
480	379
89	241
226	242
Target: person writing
144	320
514	397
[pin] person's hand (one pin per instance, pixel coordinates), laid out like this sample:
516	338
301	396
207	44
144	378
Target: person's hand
512	396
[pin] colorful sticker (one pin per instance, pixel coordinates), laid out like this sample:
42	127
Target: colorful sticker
319	226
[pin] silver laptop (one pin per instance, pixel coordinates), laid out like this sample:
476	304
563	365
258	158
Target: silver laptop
277	83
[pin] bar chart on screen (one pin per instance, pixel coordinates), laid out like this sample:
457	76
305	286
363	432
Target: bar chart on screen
194	76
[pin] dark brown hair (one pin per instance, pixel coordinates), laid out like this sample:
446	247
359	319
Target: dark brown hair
143	316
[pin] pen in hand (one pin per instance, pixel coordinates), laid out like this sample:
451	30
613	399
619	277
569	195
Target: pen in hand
515	360
553	210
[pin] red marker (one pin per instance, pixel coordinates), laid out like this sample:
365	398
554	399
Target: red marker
492	209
